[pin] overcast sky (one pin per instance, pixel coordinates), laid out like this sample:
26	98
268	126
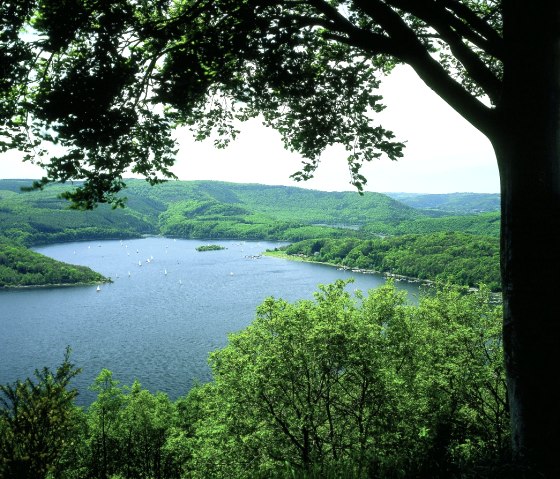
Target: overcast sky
444	153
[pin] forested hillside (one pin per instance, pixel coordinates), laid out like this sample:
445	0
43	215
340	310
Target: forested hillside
41	217
219	210
487	224
20	266
206	209
457	203
457	258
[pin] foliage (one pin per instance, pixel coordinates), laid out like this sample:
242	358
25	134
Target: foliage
127	434
448	257
220	210
212	219
109	81
91	77
458	203
20	266
210	247
486	224
341	386
42	217
100	70
377	390
38	423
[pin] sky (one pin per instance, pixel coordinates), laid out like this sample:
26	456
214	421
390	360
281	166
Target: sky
443	154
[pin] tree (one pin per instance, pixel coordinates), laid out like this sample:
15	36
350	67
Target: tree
38	422
145	422
90	76
103	426
128	431
340	387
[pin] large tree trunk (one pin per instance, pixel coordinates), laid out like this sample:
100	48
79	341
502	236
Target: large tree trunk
527	145
531	291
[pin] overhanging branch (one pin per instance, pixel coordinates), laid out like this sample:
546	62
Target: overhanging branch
413	52
453	31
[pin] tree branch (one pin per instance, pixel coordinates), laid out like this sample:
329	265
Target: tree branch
366	40
447	25
478	24
413	52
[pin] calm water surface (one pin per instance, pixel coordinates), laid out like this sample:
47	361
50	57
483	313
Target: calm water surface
168	307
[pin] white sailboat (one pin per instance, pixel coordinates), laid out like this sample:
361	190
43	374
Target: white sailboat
98	288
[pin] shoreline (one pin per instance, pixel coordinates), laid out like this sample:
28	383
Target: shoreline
496	295
306	259
56	285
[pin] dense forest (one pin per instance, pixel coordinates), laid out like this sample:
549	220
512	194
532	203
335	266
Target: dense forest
457	258
210	209
20	266
458	203
218	210
341	386
335	387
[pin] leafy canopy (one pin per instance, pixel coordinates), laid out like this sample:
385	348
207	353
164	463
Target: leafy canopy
108	81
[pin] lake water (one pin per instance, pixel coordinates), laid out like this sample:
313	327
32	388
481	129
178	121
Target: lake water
156	322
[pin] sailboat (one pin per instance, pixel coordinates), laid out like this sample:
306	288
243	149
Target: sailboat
139	263
98	288
165	272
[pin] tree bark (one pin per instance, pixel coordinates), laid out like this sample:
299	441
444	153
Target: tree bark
527	145
530	260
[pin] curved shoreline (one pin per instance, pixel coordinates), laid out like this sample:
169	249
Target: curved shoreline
496	296
55	285
306	259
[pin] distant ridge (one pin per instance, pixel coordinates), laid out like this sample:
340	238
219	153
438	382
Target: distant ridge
214	209
458	203
222	210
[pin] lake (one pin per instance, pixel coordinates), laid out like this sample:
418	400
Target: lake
168	307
